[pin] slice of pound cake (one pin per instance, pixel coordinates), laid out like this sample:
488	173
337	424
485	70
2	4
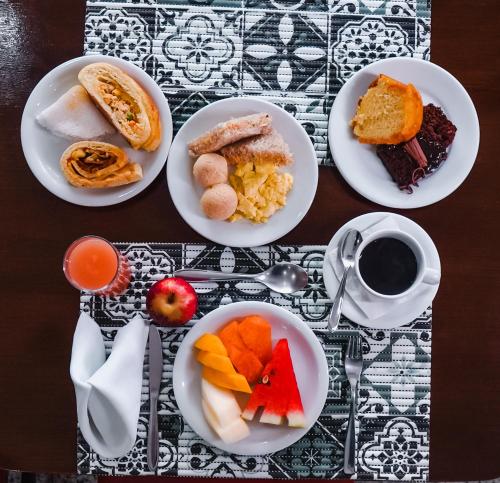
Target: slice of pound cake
389	113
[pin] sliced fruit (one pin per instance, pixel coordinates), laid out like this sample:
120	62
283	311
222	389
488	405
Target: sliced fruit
230	336
277	392
246	363
221	402
237	382
232	433
216	361
255	332
211	343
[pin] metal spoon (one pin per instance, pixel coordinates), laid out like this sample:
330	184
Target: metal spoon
282	277
348	246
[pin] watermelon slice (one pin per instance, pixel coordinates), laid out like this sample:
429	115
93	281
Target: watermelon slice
277	391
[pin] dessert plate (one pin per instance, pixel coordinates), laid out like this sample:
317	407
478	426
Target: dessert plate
403	310
186	193
43	150
359	164
309	362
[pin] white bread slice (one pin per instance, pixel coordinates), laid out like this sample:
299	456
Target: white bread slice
74	116
266	148
229	132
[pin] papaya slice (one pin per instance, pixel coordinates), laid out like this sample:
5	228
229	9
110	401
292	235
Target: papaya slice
255	332
236	382
216	361
246	363
211	343
230	336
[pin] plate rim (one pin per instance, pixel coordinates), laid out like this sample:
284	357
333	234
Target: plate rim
305	331
432	292
381	200
228	240
51	76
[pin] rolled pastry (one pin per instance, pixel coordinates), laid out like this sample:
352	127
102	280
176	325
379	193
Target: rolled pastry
92	164
125	103
229	132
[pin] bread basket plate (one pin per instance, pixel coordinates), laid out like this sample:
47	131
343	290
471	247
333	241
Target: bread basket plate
186	193
359	164
309	362
43	149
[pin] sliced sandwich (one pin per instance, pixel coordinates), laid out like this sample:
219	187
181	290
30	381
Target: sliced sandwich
92	164
125	103
229	132
266	148
74	116
389	113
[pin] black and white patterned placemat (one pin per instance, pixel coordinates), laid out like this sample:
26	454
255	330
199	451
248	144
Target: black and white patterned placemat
394	402
296	53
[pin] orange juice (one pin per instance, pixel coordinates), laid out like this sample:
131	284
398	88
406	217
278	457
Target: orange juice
91	263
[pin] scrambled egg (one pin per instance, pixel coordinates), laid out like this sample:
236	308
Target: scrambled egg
261	191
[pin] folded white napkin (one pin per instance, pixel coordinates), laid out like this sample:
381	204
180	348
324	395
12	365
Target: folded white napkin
371	306
108	392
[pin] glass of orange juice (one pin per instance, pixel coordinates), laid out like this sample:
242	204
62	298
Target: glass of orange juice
94	265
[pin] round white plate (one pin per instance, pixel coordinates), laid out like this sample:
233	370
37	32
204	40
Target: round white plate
43	149
309	363
406	309
359	164
186	193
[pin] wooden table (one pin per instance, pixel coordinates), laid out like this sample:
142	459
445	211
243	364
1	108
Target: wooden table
37	407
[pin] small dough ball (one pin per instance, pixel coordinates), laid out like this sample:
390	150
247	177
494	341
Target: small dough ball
219	202
210	169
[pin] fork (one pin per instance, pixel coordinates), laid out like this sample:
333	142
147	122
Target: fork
353	367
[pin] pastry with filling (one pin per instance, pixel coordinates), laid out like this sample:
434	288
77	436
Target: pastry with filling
125	103
229	132
92	164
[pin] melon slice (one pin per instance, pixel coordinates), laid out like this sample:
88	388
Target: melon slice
255	332
221	403
237	382
216	361
211	343
277	391
235	431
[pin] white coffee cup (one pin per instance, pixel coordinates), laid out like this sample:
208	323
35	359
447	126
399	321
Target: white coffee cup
425	274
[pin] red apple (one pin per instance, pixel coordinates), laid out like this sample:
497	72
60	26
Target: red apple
171	301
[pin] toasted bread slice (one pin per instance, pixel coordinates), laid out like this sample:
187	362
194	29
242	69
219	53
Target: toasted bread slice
266	148
125	103
389	113
229	132
92	164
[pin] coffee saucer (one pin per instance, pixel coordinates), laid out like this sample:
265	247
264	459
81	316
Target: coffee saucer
400	311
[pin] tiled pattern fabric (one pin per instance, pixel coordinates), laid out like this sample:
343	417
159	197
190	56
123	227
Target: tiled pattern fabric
295	53
394	398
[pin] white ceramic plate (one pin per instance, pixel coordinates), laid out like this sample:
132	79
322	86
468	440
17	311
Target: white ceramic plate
43	150
359	164
186	193
404	310
309	362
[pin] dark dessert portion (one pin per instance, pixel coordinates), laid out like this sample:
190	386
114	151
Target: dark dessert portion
408	162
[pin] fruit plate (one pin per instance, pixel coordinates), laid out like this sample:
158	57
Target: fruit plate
309	363
186	194
359	164
43	150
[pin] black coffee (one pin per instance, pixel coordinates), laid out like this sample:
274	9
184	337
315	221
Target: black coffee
388	266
